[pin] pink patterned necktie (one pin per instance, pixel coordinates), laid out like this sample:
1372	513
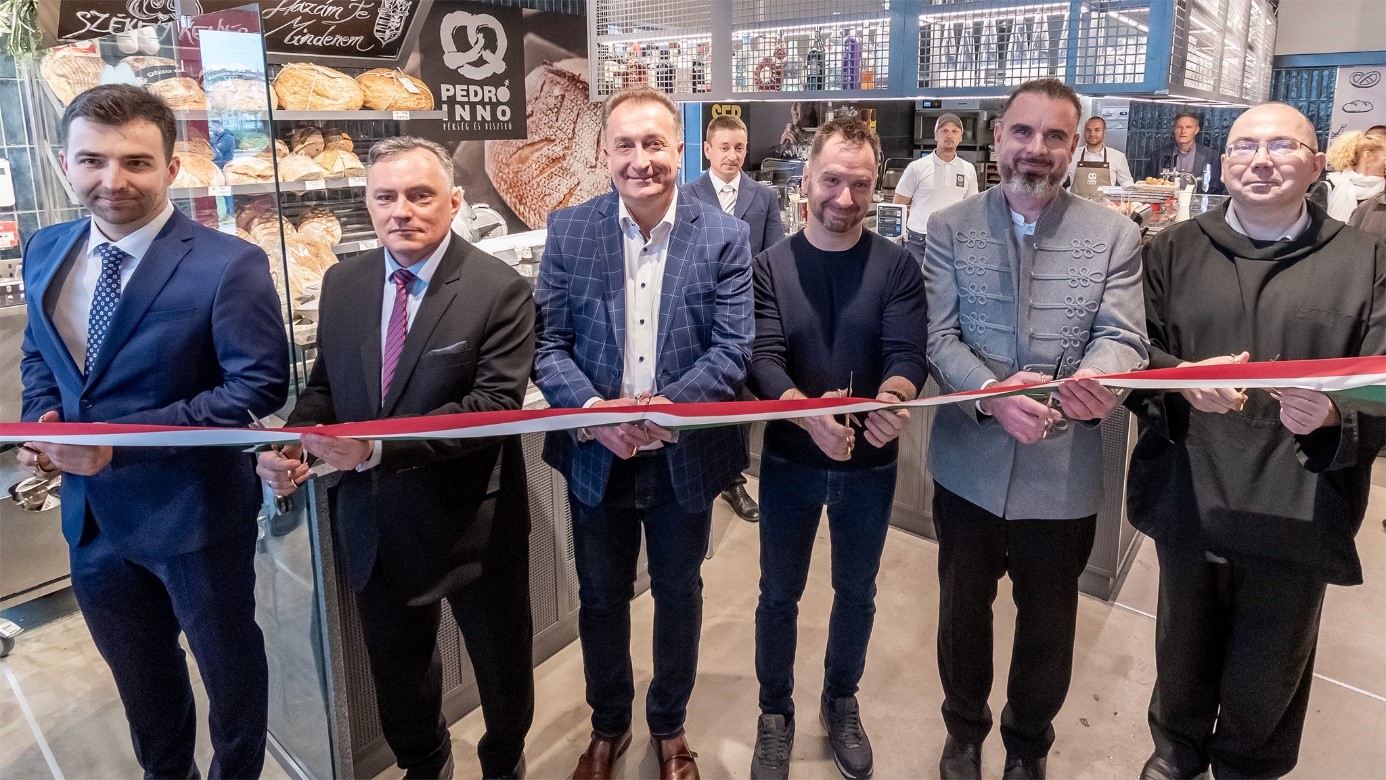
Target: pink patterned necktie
397	330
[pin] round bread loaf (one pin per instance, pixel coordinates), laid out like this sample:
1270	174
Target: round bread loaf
248	170
339	163
235	94
298	167
197	171
322	225
394	90
196	143
303	86
306	140
332	138
70	71
560	163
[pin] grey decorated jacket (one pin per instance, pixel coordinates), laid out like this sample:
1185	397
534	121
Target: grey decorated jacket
1069	296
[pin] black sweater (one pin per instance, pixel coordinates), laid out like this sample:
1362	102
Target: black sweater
827	319
1240	484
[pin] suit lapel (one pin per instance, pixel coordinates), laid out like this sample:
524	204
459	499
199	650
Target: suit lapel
745	193
47	286
368	290
442	290
158	264
611	263
707	191
680	251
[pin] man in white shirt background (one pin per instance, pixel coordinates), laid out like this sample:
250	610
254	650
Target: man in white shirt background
1097	165
938	179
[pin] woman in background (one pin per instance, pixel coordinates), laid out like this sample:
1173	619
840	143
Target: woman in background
1359	162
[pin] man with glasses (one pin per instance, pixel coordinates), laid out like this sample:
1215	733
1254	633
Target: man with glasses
1018	481
1252	497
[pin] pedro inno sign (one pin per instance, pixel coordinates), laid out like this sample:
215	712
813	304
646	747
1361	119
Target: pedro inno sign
474	53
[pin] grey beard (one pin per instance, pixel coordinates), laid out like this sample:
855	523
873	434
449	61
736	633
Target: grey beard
1032	185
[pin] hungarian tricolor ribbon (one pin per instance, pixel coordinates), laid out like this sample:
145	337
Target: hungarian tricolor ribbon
1361	377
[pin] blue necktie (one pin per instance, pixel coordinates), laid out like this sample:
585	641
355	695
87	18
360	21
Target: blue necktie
103	302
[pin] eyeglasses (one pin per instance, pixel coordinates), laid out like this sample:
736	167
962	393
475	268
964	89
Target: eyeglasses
1278	148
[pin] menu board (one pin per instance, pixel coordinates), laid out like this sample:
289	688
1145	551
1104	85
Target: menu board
373	29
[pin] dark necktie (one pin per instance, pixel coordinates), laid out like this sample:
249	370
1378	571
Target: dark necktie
397	330
103	301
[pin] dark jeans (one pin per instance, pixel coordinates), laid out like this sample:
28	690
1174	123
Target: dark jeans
1234	656
493	614
135	607
1044	559
606	542
792	497
914	244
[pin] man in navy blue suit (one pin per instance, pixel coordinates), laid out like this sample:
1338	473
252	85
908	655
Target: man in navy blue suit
644	297
727	188
140	315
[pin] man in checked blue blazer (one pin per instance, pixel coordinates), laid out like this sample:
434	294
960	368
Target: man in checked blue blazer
140	315
644	297
727	188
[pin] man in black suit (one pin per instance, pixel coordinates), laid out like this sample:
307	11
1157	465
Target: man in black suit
726	187
423	521
1184	154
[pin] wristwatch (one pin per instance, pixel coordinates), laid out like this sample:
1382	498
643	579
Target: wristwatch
895	393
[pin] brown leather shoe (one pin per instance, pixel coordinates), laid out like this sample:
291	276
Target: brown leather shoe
676	761
601	754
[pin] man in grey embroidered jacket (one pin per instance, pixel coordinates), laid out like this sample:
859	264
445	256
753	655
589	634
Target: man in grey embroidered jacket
1024	283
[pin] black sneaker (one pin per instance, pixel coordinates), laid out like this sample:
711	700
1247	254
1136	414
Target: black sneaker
851	749
774	741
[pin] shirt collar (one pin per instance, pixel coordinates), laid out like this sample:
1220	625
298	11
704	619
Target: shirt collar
422	271
138	242
734	183
631	229
1294	231
1026	228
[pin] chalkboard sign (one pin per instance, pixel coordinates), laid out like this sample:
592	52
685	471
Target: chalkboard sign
373	29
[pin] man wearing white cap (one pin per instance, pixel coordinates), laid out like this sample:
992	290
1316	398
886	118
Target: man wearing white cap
936	180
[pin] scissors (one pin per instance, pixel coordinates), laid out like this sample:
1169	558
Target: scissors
282	504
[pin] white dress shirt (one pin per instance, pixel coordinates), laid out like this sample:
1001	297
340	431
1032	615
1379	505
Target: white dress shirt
645	261
1294	231
423	272
1115	159
73	309
932	184
726	191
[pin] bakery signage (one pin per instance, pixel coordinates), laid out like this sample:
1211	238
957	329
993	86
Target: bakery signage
472	54
327	28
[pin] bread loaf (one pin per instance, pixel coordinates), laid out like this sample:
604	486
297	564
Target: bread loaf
236	95
248	170
265	230
394	90
308	261
197	171
281	150
307	141
339	163
322	225
303	86
332	138
297	167
165	78
196	144
70	71
560	163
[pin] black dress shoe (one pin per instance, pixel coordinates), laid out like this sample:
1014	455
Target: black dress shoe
741	503
1024	768
961	761
1157	768
518	773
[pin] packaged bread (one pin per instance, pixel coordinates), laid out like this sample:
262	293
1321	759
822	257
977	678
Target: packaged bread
306	140
320	224
298	167
394	90
248	170
560	163
332	138
235	94
70	71
339	163
195	144
197	171
165	78
303	86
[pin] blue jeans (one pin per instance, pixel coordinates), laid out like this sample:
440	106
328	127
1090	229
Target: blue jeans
792	498
606	544
914	244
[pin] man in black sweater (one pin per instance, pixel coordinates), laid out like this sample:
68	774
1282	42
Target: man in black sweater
1252	498
838	309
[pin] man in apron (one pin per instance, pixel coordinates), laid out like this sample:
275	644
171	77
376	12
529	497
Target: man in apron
938	179
1097	165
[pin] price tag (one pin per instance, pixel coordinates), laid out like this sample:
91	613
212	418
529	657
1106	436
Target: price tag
315	184
356	181
373	243
401	116
220	189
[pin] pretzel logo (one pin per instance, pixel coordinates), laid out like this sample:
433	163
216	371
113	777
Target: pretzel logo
484	55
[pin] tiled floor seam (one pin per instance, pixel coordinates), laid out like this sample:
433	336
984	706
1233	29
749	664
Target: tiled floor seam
33	722
1326	679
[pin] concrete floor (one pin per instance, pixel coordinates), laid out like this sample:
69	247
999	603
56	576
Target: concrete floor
59	715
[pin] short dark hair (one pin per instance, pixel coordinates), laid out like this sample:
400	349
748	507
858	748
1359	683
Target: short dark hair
1050	88
725	122
117	105
853	131
1198	120
1103	120
1376	130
